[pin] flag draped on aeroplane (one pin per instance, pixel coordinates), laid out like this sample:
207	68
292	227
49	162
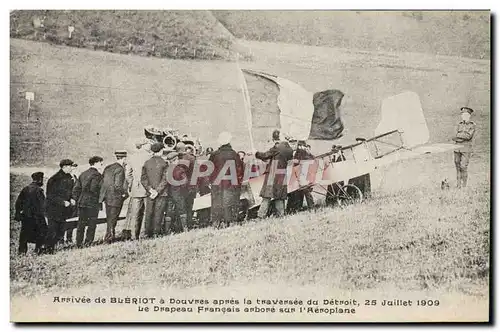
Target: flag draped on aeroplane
275	102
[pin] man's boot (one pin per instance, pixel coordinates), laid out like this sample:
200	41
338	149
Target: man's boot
183	220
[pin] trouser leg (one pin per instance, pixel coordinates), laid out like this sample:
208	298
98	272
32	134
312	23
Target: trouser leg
112	215
40	240
217	215
159	214
309	198
23	239
464	165
244	206
179	201
108	237
264	207
60	230
457	159
167	226
280	207
189	207
69	235
55	232
51	234
135	214
231	203
149	217
80	226
91	225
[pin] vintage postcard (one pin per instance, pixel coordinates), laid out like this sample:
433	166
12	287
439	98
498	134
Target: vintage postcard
250	166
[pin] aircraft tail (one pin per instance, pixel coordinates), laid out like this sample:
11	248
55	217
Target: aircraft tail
404	113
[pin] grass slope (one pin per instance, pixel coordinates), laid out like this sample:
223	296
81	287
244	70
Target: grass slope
416	239
166	34
457	33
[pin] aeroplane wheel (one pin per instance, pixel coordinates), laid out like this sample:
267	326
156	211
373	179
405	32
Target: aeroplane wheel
349	194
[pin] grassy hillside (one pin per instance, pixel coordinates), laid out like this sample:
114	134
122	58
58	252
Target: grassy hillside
457	33
416	239
165	34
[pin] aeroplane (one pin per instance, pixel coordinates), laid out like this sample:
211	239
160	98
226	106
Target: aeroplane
401	134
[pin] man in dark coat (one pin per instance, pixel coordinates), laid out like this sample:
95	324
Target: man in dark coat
114	192
86	193
275	185
226	182
59	202
154	180
30	210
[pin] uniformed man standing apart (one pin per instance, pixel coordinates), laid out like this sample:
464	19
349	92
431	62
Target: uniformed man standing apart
114	192
226	182
464	136
137	191
30	211
86	193
59	202
154	180
275	186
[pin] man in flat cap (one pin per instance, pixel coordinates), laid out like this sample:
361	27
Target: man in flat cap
464	136
30	211
154	180
60	202
226	180
137	192
86	193
114	191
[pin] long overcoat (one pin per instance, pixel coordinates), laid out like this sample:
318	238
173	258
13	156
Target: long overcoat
278	157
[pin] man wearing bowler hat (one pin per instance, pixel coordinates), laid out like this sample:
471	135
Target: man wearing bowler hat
464	136
30	211
114	192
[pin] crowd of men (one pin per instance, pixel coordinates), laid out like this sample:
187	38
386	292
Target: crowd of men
160	202
152	177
